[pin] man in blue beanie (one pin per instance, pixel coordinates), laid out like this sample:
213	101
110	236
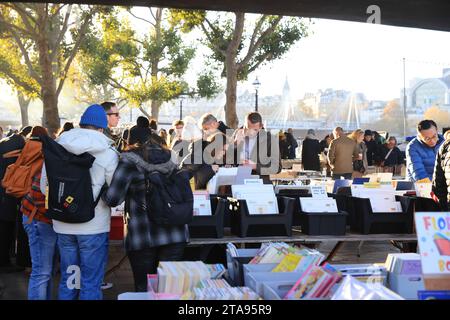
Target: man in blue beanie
84	246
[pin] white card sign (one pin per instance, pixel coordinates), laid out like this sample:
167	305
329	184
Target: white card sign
318	205
202	204
260	199
433	235
319	192
253	181
423	189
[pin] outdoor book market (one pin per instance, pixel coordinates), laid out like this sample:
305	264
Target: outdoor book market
223	150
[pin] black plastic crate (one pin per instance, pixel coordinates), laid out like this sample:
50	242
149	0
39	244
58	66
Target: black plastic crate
323	223
367	222
244	224
209	226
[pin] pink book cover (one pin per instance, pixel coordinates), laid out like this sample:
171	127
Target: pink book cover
307	280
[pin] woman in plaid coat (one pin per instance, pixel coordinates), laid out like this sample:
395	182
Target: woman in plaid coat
146	243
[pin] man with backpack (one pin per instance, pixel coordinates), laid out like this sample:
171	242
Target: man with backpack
10	149
80	218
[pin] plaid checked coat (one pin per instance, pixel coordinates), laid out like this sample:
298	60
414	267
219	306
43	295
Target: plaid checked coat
128	184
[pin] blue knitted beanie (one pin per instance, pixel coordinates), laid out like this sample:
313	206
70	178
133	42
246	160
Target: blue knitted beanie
95	116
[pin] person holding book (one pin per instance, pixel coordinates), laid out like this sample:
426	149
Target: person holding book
256	147
213	157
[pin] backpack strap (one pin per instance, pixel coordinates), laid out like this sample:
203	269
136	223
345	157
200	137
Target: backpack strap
102	191
12	154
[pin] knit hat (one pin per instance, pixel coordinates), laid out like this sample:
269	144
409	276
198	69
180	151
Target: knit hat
95	116
138	135
367	133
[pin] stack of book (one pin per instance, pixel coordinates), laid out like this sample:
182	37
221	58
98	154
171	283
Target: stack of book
287	257
300	261
180	277
315	283
219	290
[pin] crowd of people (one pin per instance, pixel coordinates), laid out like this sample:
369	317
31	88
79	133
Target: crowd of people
119	172
351	155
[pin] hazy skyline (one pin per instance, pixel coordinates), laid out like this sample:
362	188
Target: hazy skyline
358	57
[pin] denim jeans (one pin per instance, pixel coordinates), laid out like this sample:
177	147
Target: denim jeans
42	241
146	261
83	262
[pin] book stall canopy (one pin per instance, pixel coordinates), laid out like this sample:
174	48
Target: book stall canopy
425	14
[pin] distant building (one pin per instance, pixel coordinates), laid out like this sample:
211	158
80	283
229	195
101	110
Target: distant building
425	93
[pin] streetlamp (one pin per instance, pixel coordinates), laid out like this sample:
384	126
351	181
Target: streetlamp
182	96
256	85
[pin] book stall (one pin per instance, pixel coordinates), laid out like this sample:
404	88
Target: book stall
284	217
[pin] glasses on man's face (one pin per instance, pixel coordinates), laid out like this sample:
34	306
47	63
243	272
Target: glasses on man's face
113	114
428	139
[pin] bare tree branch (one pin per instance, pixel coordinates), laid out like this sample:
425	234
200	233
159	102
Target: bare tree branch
11	26
139	18
151	12
237	34
257	29
62	33
145	112
264	35
256	65
26	57
81	36
211	40
25	16
114	83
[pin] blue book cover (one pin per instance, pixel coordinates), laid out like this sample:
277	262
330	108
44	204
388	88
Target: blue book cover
433	295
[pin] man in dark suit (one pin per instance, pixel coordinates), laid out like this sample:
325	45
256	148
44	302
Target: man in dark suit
257	148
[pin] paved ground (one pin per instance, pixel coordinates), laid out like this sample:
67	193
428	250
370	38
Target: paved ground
14	286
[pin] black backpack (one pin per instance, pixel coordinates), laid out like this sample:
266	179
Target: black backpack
169	198
69	197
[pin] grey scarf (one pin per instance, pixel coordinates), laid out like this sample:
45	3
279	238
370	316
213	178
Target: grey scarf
143	166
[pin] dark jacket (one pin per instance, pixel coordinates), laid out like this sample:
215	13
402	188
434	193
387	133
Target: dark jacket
8	204
310	154
196	164
267	161
372	152
441	176
223	128
292	143
284	148
395	157
128	184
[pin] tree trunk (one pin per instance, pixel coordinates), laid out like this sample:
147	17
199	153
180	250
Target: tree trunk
155	109
230	106
23	103
155	62
231	69
49	94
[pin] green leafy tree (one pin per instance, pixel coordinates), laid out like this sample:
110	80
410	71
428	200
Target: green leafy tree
17	76
241	45
145	69
48	37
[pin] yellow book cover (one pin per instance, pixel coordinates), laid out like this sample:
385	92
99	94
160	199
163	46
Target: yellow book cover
289	263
